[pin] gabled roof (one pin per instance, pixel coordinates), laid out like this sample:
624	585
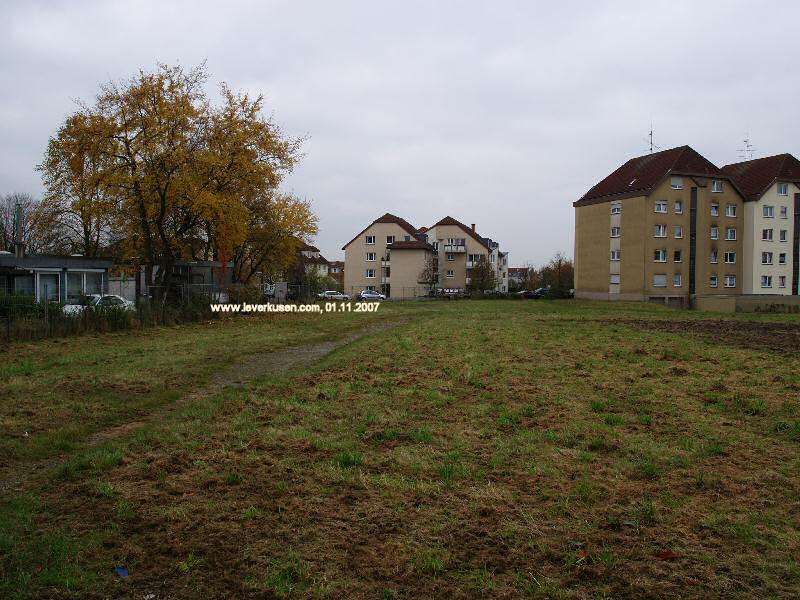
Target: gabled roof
306	247
754	177
451	221
640	175
410	245
387	218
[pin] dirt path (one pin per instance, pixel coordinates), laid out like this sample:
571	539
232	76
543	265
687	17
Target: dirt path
251	367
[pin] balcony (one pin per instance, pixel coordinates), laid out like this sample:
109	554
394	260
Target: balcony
454	248
385	262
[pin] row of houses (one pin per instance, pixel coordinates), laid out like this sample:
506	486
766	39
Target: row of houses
394	257
673	227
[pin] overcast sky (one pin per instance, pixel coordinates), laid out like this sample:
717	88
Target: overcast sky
496	113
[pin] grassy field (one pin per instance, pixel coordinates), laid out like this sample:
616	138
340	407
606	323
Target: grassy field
475	449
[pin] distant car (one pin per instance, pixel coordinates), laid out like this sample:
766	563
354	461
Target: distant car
332	295
97	301
371	295
530	295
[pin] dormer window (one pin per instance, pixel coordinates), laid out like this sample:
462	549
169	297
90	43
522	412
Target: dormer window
783	189
716	186
676	182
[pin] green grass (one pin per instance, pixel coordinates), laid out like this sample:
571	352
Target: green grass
480	449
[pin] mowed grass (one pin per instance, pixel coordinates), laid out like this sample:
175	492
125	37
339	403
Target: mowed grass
480	449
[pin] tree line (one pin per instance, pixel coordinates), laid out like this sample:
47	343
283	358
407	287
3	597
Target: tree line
153	172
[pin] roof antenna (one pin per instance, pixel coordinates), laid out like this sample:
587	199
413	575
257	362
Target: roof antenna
653	146
747	152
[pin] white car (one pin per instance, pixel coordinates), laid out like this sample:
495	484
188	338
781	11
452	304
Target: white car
332	295
371	295
97	301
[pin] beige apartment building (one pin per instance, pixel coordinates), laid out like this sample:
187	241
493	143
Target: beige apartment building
771	186
665	227
392	256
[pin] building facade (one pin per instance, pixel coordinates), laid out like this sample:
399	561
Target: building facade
771	186
663	227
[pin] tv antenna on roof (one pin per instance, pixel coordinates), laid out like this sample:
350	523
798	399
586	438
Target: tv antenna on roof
747	152
653	146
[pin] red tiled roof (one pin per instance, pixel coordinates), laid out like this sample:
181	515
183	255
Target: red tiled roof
451	221
754	177
410	245
640	175
387	218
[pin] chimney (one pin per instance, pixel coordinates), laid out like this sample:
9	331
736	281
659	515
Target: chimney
473	227
19	246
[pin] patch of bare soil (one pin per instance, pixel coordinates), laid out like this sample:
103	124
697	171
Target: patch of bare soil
778	337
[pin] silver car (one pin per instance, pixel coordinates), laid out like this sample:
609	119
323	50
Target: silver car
96	301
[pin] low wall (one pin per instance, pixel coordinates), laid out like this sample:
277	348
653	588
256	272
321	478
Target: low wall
768	303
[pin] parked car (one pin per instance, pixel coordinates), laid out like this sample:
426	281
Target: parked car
332	295
97	301
370	295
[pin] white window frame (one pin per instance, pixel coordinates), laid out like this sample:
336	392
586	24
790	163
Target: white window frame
367	274
616	209
660	228
660	255
730	210
730	257
783	235
714	209
676	182
680	259
728	236
615	254
783	188
714	257
678	207
784	212
370	240
373	255
768	211
766	281
730	281
390	239
782	258
451	256
781	281
661	207
657	285
714	233
766	235
678	232
713	280
611	279
616	232
450	274
766	258
716	186
677	280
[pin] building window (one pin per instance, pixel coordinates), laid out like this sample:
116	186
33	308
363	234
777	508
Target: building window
677	256
370	273
714	257
730	281
766	281
677	182
615	231
715	210
678	232
782	281
713	281
716	185
370	288
615	255
783	235
661	206
615	279
451	256
677	280
714	232
730	210
370	240
616	209
783	189
766	235
730	234
768	211
450	274
390	239
678	207
659	280
784	212
660	255
766	258
782	258
371	256
661	231
730	258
